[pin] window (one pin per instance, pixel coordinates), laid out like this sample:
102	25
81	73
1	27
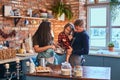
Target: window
101	28
116	30
97	26
116	22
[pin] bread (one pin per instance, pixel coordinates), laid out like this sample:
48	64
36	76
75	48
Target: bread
43	69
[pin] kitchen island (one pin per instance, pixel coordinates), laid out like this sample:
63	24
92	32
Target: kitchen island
89	73
104	58
12	64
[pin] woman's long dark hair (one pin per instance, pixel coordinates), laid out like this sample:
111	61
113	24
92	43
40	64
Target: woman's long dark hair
43	34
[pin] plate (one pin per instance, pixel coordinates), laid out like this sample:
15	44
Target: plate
43	69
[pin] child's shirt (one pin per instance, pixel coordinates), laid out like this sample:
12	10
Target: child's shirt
63	40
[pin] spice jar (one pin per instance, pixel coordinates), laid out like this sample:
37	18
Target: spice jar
78	71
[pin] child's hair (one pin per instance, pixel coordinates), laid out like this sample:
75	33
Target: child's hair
69	25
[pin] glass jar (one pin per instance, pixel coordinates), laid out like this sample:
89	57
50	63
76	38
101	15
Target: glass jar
78	71
66	68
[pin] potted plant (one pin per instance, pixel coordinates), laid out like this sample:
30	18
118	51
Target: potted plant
59	8
111	46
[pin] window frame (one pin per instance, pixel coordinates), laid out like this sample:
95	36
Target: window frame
108	26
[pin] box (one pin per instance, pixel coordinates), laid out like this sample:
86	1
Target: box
7	10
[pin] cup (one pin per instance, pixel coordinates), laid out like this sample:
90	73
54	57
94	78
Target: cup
42	62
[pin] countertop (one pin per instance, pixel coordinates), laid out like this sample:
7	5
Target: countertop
20	56
104	53
89	73
91	52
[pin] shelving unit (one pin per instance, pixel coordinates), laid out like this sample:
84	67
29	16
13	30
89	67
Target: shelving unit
25	17
20	28
17	18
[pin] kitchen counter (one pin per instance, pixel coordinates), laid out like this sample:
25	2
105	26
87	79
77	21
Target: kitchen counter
104	53
89	73
20	56
91	52
104	59
12	63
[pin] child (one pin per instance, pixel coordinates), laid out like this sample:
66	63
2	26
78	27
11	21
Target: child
64	39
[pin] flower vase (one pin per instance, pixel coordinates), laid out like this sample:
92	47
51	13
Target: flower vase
62	17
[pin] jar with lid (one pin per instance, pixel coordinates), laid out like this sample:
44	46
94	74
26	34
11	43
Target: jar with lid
66	68
78	71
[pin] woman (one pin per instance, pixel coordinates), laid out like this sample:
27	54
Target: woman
80	43
43	43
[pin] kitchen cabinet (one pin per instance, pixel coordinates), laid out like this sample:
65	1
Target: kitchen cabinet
11	70
93	60
12	62
114	63
104	61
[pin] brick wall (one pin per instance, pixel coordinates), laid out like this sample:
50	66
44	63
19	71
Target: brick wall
7	24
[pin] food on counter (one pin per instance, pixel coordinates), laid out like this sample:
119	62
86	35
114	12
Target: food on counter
43	69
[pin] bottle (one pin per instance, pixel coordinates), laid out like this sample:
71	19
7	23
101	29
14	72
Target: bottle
32	68
30	43
22	49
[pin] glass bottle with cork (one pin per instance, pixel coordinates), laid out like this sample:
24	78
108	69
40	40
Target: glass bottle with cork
22	49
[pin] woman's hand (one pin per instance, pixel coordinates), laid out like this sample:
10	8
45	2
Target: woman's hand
52	47
41	49
56	45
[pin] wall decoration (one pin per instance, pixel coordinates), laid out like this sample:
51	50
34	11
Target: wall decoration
5	35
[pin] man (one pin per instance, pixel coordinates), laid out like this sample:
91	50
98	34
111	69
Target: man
80	43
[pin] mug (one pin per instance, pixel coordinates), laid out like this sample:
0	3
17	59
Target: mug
42	62
26	22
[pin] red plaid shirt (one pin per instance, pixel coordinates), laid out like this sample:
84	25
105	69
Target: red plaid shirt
63	40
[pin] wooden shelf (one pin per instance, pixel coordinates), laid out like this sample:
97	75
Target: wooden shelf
25	17
17	18
20	28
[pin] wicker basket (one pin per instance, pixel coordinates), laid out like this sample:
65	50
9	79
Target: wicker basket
7	54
